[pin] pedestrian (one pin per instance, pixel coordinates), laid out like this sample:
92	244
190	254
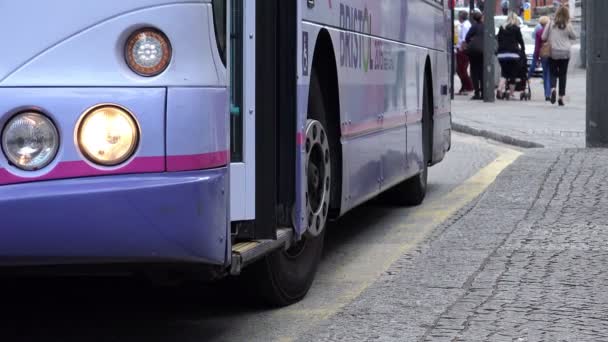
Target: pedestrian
544	61
510	50
534	35
462	60
504	6
474	40
559	34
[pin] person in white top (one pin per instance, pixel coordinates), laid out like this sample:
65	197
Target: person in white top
462	59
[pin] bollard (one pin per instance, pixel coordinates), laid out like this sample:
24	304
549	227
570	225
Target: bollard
489	46
597	66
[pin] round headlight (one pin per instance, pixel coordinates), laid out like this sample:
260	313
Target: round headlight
107	135
148	52
30	141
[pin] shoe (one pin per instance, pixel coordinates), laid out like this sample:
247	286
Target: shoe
560	102
476	97
553	96
498	95
547	98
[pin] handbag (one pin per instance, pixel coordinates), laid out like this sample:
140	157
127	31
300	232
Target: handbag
545	48
475	47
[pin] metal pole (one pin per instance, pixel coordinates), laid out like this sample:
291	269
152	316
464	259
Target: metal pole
513	6
489	42
597	73
583	34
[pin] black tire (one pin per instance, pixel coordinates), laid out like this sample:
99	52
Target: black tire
412	191
285	276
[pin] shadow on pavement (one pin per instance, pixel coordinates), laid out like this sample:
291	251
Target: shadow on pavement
129	309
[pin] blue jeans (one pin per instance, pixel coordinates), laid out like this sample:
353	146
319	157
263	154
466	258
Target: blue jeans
546	76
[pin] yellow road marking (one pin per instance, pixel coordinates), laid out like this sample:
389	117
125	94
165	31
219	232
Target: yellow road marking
455	200
419	225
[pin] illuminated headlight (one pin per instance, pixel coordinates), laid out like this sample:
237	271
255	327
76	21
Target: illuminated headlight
107	135
30	141
148	52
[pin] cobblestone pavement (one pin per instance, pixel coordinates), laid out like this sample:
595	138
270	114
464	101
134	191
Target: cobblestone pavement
534	121
524	262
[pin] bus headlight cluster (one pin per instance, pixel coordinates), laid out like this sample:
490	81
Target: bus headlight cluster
30	141
107	135
148	52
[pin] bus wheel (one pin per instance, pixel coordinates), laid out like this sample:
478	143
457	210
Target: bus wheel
318	171
409	192
285	276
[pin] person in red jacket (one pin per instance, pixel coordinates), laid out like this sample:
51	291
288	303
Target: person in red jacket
462	60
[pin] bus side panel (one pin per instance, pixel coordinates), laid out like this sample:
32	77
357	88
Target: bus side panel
378	101
410	66
384	18
378	86
381	85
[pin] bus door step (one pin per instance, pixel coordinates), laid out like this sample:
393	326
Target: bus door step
245	253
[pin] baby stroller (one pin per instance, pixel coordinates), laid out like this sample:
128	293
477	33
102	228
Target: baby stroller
522	82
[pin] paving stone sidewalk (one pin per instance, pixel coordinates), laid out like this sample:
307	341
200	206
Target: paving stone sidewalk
524	262
535	122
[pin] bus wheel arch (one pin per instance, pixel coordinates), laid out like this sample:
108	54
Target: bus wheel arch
428	111
324	105
412	191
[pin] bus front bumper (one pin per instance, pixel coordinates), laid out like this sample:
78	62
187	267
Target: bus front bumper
168	217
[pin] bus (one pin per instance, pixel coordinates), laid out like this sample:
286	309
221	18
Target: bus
213	138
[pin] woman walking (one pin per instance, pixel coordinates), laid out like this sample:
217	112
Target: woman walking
474	41
510	50
462	60
559	34
544	61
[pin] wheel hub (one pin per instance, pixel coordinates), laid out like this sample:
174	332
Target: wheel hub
318	171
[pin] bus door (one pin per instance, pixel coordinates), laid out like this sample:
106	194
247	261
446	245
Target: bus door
263	116
241	19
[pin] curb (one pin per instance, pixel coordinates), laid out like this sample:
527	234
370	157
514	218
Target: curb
505	139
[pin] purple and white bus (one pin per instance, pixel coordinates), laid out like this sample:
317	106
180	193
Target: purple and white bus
212	136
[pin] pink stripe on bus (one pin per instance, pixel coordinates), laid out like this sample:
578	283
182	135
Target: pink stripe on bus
389	121
73	169
197	161
299	138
